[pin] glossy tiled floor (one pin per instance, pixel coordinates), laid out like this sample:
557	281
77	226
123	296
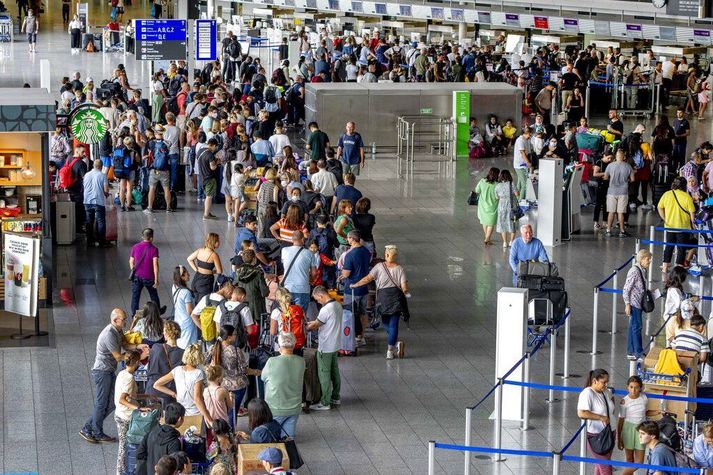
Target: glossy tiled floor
390	409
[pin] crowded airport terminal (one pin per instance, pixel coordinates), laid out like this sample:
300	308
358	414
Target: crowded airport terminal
350	237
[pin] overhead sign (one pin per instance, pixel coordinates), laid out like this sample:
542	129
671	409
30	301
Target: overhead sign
571	25
88	125
683	7
206	40
542	23
161	39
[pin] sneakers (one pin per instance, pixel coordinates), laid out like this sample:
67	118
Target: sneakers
88	437
360	341
230	218
400	349
105	438
597	226
389	355
148	211
320	407
170	210
336	402
623	234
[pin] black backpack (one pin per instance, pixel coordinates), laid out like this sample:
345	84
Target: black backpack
172	105
233	50
174	85
233	318
668	432
270	95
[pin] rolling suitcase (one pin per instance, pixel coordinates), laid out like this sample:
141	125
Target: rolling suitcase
348	337
112	222
312	391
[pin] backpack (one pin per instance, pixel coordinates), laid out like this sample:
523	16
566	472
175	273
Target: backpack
66	177
335	167
233	50
174	85
233	318
324	241
172	105
270	95
206	319
293	322
121	160
638	159
160	156
141	424
668	432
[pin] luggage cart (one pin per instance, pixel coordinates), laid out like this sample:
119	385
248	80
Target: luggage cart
539	324
6	29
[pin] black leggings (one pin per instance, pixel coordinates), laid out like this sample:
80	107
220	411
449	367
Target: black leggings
680	238
600	205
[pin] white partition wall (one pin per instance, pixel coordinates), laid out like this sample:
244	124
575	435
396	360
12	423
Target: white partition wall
511	344
549	202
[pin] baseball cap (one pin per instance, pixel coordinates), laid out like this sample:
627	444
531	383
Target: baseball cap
270	455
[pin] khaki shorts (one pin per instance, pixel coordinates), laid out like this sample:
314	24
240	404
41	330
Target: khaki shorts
617	203
210	187
353	169
158	176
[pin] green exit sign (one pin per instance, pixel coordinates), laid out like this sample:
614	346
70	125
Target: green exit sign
426	111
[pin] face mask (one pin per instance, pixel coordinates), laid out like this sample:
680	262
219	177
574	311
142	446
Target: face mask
284	183
553	144
295	198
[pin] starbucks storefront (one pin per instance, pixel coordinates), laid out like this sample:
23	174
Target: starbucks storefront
27	117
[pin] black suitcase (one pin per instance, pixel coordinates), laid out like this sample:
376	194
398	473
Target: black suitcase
159	200
540	283
559	306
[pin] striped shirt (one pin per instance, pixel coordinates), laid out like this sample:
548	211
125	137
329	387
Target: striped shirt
690	340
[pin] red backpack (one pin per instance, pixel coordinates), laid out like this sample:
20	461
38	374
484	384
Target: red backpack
293	322
66	178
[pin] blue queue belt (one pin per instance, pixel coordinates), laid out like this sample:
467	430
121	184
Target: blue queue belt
607	290
680	230
618	392
664	243
490	450
574	437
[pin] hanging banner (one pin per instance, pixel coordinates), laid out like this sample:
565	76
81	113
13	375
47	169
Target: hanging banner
461	121
22	262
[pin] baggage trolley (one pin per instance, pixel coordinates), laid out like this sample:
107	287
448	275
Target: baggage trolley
538	328
6	29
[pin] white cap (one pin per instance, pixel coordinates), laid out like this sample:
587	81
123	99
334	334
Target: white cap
89	79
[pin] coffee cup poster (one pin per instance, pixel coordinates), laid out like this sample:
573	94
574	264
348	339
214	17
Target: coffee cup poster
21	267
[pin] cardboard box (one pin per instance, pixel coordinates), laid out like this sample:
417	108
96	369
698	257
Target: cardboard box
248	463
655	407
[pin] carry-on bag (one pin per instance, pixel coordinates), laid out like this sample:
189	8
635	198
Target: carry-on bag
112	222
312	391
546	269
348	337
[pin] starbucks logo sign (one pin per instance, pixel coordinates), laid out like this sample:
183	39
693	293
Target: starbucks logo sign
88	125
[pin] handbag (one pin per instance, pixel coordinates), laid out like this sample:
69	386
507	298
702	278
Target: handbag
517	212
647	301
402	297
603	442
473	198
293	453
132	276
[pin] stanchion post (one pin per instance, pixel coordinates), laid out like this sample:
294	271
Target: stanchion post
526	394
468	430
652	235
638	246
431	457
632	367
614	300
498	420
595	321
553	360
582	449
565	366
556	458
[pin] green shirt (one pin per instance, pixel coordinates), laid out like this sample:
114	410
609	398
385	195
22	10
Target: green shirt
317	142
283	376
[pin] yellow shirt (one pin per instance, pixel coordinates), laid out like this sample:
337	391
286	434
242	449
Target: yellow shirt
509	132
676	217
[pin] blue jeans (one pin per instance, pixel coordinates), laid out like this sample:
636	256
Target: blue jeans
679	153
302	300
391	324
199	184
238	396
103	401
633	339
288	423
136	286
98	212
173	162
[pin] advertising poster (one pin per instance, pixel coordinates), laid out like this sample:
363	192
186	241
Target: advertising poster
461	121
22	260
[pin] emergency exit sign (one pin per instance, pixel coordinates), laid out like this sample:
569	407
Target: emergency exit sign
426	111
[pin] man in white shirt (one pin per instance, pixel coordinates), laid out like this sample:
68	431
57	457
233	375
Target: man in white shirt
329	325
170	136
667	71
324	181
279	140
521	161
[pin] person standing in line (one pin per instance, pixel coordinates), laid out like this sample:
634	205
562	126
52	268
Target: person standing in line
633	294
355	267
126	402
317	143
171	136
329	326
681	130
65	10
96	190
619	174
283	376
110	345
521	161
300	267
31	26
597	408
143	263
208	167
350	150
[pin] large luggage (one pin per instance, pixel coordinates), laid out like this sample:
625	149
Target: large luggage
348	337
547	269
589	142
312	391
558	299
540	283
159	201
131	450
112	222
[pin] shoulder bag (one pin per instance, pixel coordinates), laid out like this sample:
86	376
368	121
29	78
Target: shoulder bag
647	301
473	198
603	442
132	276
290	447
680	206
289	268
402	297
517	212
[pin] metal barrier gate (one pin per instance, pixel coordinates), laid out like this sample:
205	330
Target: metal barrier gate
627	99
430	138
